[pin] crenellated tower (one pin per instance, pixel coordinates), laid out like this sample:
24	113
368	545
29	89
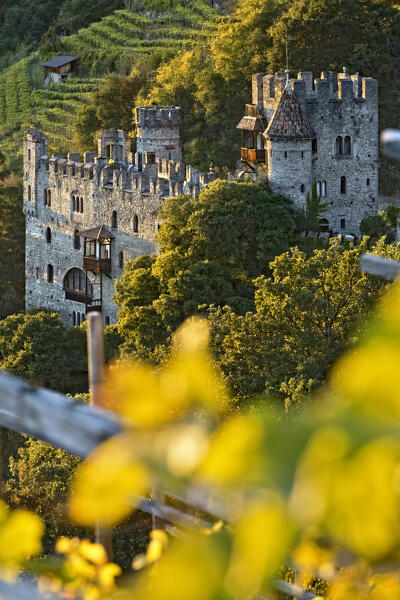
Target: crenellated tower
158	133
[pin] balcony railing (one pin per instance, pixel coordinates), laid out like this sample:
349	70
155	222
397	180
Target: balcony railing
76	295
252	155
97	265
94	305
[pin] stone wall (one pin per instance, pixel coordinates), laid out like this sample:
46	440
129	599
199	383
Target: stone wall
101	187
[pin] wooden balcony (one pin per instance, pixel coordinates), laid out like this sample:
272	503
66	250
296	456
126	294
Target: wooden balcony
97	265
94	305
252	155
76	295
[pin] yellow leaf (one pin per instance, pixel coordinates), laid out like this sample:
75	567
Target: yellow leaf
20	537
106	483
108	573
261	539
93	552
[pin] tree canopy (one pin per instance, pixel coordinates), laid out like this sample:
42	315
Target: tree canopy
210	250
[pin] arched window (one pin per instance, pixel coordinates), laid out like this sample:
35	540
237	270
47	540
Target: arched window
314	146
48	235
135	224
302	188
324	225
78	319
73	318
114	219
77	204
121	260
81	207
343	185
45	197
347	145
29	193
339	145
48	198
74	281
29	155
77	240
50	272
83	318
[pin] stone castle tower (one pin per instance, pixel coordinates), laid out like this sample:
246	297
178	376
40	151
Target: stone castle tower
303	130
84	220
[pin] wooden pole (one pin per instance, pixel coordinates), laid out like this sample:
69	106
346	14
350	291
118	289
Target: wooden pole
95	343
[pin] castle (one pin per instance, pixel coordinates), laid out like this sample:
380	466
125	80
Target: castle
84	220
297	131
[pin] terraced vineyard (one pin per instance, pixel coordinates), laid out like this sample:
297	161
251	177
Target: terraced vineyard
127	33
122	35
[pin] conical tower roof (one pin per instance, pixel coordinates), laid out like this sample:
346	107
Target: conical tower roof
288	121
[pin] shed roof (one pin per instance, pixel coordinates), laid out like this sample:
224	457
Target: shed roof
252	123
59	61
288	120
101	232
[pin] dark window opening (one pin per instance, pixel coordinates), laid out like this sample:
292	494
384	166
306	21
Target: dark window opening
302	154
368	181
50	273
342	223
121	260
135	224
339	145
48	198
324	225
37	272
285	154
48	235
73	318
107	319
29	193
114	219
77	204
81	206
248	139
83	318
29	155
109	151
303	188
78	319
45	197
347	145
77	240
169	155
74	280
343	185
314	145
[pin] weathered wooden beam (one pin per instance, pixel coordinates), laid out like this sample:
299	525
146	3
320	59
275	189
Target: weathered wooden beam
383	267
53	418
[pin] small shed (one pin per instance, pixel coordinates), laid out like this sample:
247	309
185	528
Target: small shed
59	68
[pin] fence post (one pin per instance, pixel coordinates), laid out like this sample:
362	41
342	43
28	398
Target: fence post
95	344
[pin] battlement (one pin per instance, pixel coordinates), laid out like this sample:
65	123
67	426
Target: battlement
330	86
158	117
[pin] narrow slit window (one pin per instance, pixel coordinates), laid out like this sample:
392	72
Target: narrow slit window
135	224
29	193
347	145
114	219
50	273
343	185
48	235
339	145
342	223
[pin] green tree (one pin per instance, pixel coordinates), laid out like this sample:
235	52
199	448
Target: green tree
210	250
376	226
307	313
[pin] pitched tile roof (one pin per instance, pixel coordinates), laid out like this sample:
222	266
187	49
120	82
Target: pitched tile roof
101	232
58	61
252	123
288	121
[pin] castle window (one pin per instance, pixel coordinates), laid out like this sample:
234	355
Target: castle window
50	273
77	204
45	197
285	154
324	225
121	260
342	223
29	193
37	272
323	189
73	318
83	318
135	224
339	145
29	155
107	320
347	145
302	154
81	206
74	285
314	146
319	188
302	188
48	198
114	219
368	181
48	235
78	319
169	155
77	240
109	151
343	185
